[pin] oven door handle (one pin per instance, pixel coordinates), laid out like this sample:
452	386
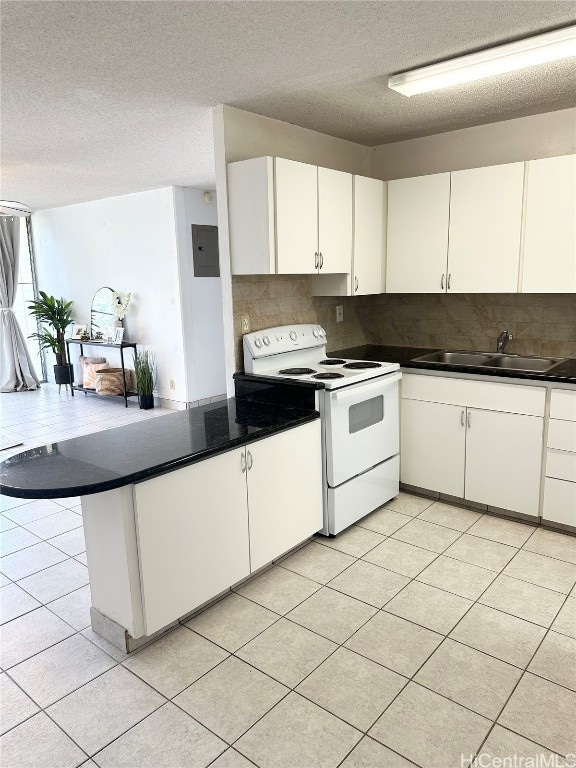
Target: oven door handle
362	389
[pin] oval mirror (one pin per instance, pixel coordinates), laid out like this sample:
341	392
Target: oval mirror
102	317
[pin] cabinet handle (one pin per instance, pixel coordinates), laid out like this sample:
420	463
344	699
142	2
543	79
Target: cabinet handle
243	461
316	260
449	279
468	420
250	460
321	260
462	418
355	284
442	281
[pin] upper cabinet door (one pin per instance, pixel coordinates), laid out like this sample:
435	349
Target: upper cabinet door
296	217
418	211
550	226
334	220
368	249
485	227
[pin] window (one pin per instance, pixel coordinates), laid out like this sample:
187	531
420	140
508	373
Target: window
25	292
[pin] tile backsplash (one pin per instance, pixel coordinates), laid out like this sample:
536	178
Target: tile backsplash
541	324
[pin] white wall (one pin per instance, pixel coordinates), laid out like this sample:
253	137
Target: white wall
201	297
240	135
525	138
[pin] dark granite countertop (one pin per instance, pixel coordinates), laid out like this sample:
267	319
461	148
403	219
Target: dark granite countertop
565	373
135	452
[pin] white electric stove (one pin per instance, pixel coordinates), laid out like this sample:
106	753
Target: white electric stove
358	405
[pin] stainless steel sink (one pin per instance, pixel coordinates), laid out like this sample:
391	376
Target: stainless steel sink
455	358
517	363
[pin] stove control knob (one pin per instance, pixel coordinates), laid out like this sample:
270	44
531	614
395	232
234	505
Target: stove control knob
266	340
257	343
293	335
315	333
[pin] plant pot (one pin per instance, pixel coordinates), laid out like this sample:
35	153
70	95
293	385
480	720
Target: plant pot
146	401
64	374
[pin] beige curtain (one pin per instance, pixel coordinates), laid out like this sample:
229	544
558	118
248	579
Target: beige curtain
16	369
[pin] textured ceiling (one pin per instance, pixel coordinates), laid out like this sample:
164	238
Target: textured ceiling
106	98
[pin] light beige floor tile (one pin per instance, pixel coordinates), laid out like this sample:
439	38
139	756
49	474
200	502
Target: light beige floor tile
16	706
436	538
317	562
369	583
279	589
6	524
81	558
231	759
352	687
555	660
510	532
409	504
231	698
107	647
30	560
429	606
395	643
167	738
176	660
232	622
354	541
61	669
457	577
9	502
542	712
429	729
56	581
384	521
39	742
29	634
370	754
522	599
449	515
298	733
74	608
287	652
32	510
68	502
332	614
506	637
4	580
400	557
102	710
565	622
504	745
468	677
552	544
541	570
71	542
15	602
481	552
16	539
53	525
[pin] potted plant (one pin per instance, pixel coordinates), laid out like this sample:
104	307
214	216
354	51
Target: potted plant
57	315
145	370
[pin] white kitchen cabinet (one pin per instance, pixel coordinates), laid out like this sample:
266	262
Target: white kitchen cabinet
560	483
432	443
284	492
417	242
550	226
296	209
485	229
192	530
504	460
334	221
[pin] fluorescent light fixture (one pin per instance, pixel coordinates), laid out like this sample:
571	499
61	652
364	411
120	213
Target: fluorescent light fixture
551	46
12	208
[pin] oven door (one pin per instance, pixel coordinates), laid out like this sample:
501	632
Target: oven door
362	427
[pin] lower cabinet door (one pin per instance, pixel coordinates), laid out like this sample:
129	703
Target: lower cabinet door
284	491
192	529
504	460
432	446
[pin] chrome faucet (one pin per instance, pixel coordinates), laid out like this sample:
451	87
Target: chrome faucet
503	340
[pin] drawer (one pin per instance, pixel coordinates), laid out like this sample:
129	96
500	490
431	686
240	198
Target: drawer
563	404
561	465
485	395
562	435
559	501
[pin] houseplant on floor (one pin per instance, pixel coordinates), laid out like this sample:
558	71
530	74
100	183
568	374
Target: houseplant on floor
56	314
145	370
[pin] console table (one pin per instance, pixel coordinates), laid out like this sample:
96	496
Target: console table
124	345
